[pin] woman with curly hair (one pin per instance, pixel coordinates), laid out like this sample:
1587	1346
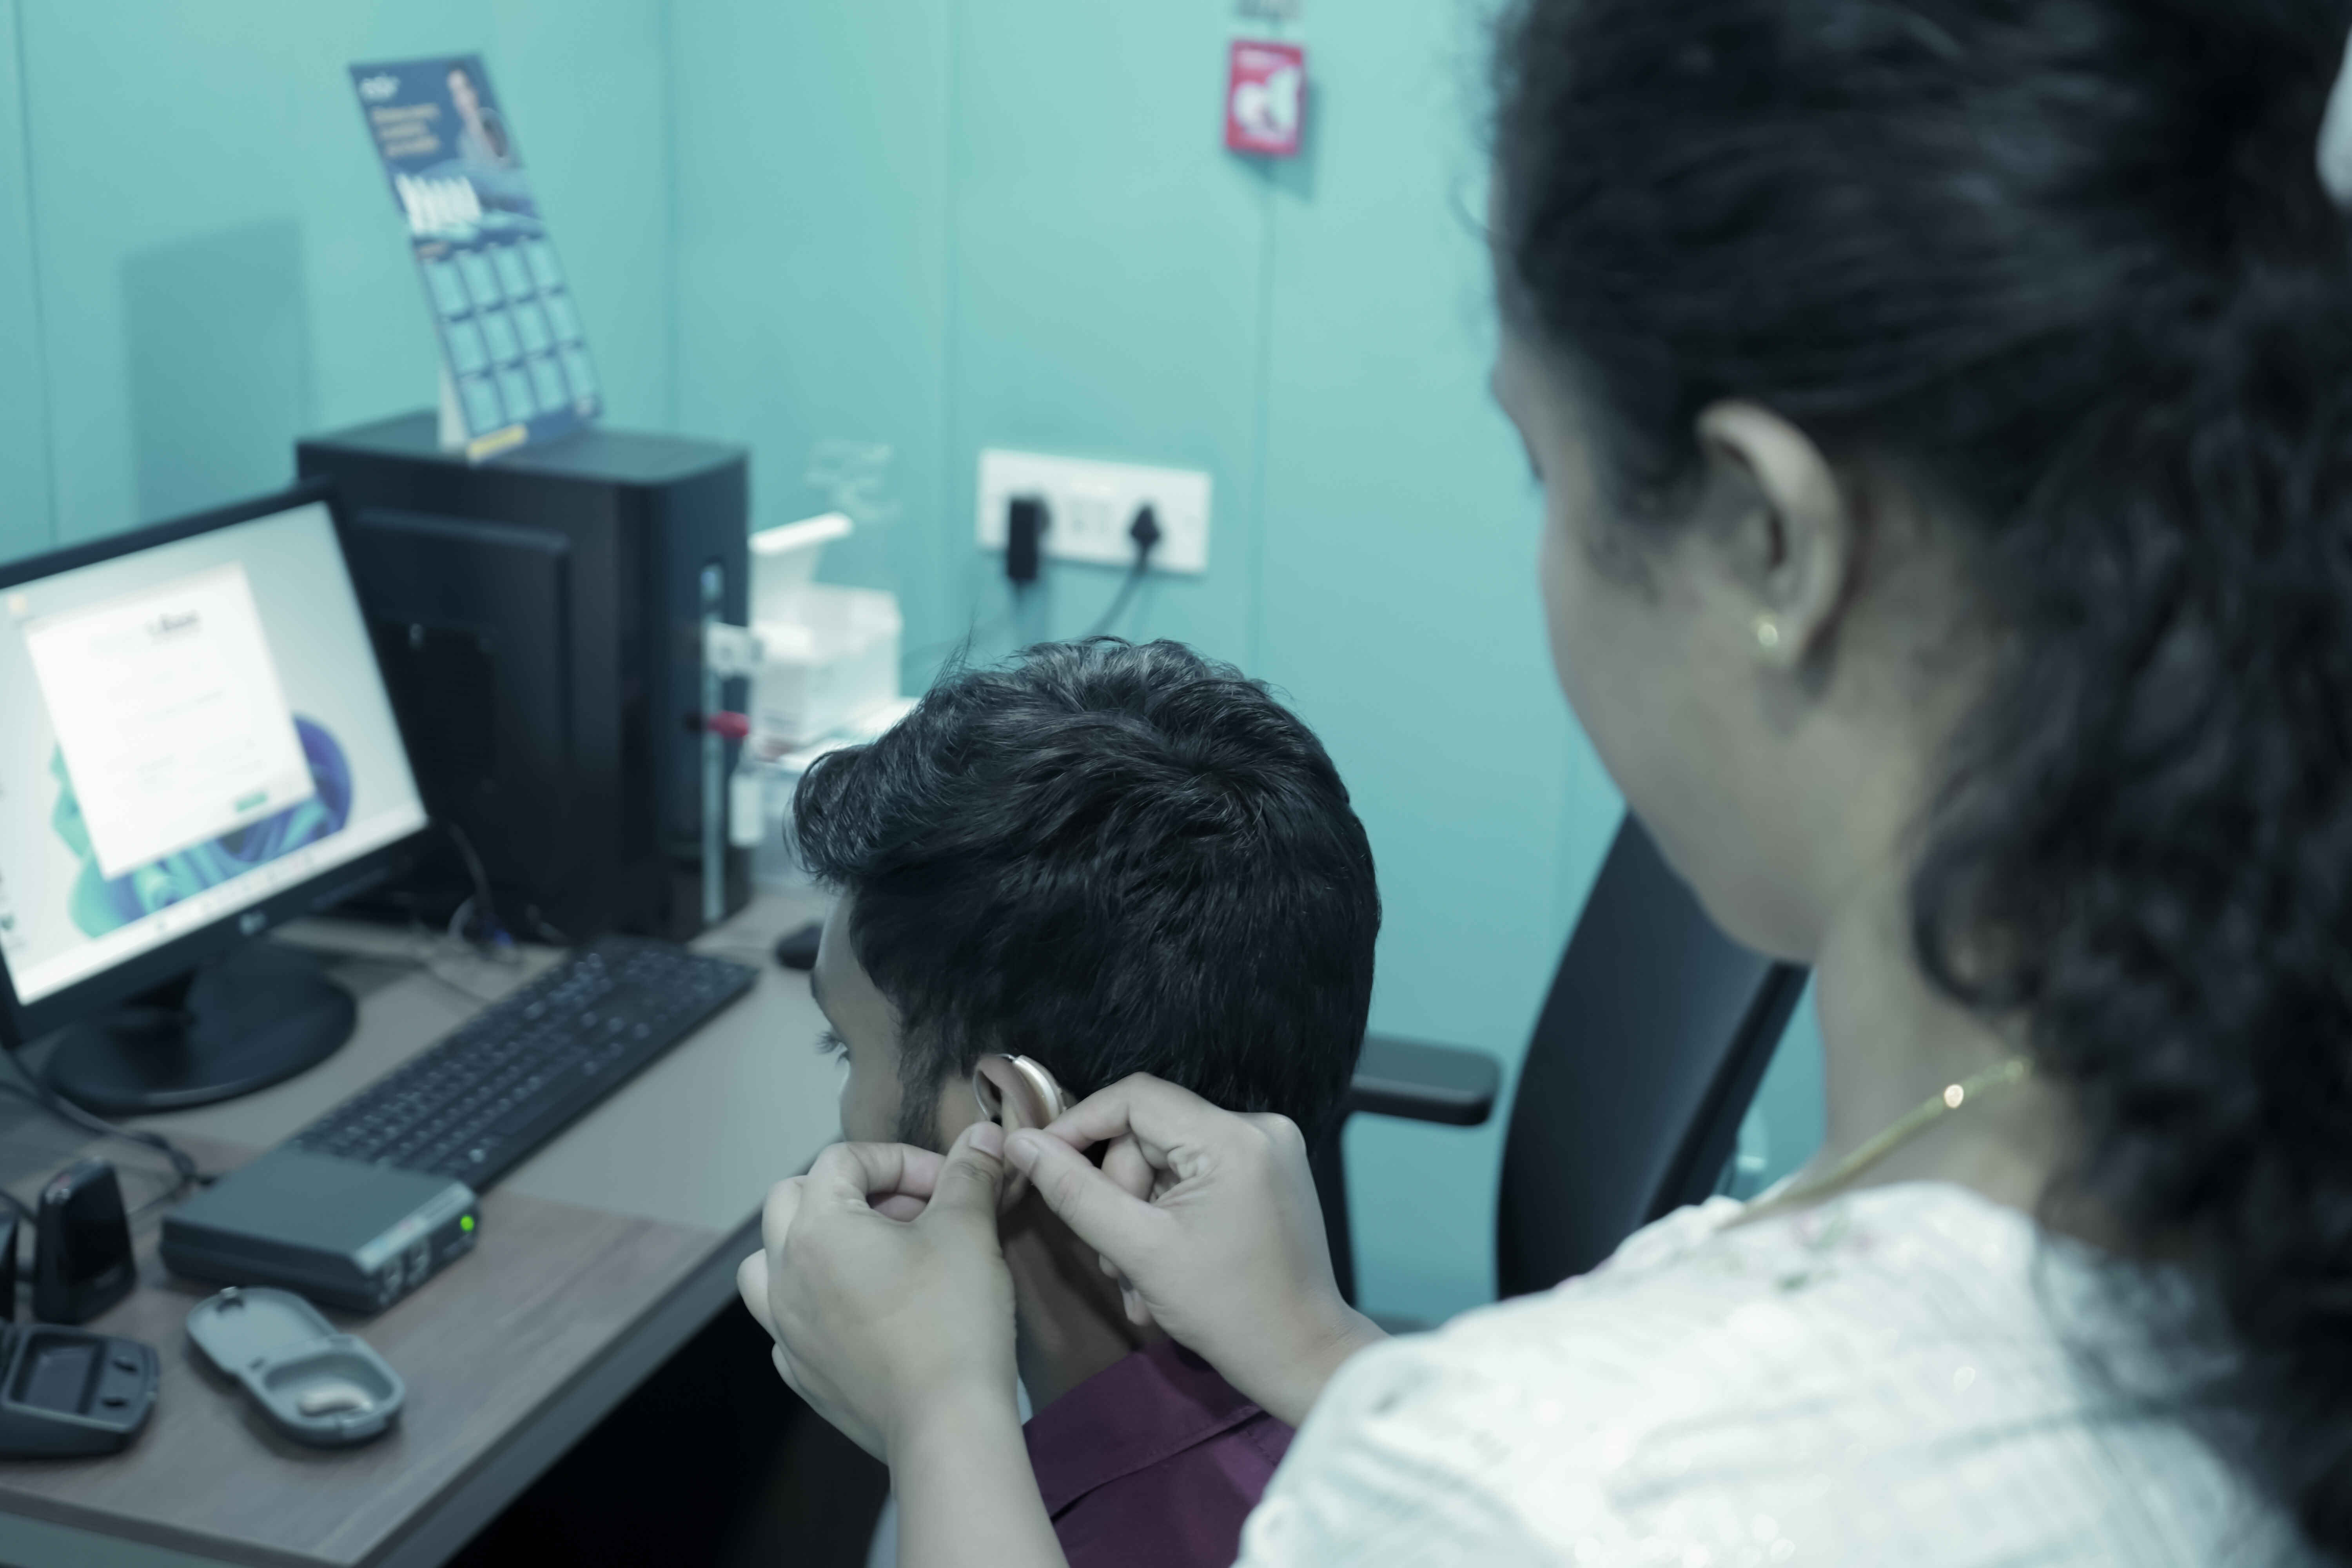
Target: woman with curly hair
1944	415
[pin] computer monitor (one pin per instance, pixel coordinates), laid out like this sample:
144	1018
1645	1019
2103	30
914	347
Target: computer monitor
195	744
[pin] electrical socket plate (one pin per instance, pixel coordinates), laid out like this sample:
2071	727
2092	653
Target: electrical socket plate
1089	506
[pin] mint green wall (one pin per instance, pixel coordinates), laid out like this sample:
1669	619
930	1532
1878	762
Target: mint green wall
933	225
811	233
23	404
199	260
948	224
1399	605
944	224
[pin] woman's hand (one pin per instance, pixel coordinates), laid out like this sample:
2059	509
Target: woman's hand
882	1283
887	1294
1210	1221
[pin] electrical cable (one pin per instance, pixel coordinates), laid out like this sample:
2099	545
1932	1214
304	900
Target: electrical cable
185	1171
428	952
1025	522
482	904
1145	531
183	1164
1119	604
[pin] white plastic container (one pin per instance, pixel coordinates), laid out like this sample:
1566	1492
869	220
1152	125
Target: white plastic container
834	661
761	809
784	561
829	655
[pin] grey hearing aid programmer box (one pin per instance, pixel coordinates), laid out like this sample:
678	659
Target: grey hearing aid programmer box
354	1236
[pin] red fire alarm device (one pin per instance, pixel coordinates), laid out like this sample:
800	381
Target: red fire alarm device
1266	97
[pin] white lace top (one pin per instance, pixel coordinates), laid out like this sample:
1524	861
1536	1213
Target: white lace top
1876	1381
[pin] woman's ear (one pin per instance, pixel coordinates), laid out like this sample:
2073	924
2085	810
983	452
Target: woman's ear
1793	541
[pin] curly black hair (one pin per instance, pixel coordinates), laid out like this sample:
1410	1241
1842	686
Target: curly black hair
1114	859
2068	265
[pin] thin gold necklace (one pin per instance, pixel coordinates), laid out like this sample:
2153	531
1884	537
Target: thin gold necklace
1934	1109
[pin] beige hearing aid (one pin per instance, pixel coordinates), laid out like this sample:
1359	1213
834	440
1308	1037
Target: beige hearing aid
1048	1094
1033	1073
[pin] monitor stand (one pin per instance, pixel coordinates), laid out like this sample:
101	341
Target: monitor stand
260	1014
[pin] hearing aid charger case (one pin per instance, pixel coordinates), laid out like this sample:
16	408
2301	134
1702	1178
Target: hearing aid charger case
327	1389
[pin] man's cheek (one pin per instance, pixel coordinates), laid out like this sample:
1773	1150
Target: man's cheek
862	1120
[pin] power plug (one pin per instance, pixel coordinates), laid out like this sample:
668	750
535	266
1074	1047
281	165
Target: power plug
1145	531
1025	519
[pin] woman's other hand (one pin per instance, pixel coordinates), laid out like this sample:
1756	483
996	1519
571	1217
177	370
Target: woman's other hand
1210	1220
882	1283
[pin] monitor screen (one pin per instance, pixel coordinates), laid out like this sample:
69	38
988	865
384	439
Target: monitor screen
186	729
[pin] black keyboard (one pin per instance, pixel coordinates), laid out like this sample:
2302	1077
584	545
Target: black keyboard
478	1103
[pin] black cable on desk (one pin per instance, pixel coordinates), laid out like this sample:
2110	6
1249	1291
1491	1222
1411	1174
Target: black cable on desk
183	1164
483	904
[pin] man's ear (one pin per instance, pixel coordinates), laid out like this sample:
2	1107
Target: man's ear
1003	1094
1017	1092
1015	1099
1011	1096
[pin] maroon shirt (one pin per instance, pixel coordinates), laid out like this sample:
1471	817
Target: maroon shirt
1153	1462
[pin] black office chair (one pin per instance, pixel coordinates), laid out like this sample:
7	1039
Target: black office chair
1649	1050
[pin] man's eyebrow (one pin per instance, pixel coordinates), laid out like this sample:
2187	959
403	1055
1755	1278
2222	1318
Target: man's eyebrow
816	990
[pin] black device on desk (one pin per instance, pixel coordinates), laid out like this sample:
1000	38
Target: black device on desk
354	1236
376	1196
64	1391
82	1259
68	1391
195	744
539	617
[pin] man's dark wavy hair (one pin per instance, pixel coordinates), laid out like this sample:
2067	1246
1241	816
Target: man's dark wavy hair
2067	266
1114	859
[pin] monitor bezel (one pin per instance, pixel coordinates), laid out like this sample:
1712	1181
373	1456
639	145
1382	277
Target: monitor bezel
22	1022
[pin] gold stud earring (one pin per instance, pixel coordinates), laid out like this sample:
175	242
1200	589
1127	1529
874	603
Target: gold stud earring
1768	633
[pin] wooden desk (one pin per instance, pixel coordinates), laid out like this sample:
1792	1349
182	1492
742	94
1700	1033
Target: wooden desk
598	1257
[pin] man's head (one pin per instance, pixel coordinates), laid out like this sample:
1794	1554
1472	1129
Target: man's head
1105	858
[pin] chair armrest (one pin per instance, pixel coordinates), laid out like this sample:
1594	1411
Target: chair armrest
1444	1084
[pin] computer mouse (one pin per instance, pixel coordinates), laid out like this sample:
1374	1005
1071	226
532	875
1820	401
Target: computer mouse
798	951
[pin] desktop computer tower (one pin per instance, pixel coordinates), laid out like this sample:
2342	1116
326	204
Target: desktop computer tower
539	620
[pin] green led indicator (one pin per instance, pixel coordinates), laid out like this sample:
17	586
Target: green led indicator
467	1223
